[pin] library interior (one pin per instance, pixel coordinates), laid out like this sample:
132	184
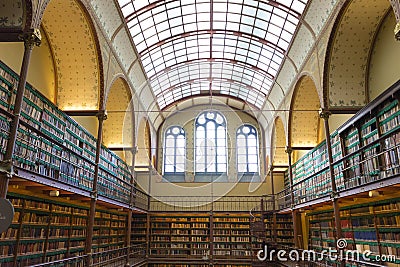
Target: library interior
197	133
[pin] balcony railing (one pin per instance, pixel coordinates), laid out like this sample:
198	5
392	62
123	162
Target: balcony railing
351	171
204	203
109	258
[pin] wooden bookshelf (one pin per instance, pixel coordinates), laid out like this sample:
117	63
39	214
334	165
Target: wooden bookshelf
109	230
231	236
365	150
186	235
53	146
42	231
45	230
373	226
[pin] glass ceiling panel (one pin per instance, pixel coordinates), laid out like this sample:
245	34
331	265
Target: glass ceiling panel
230	47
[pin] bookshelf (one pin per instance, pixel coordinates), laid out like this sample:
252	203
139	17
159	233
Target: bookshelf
186	236
42	231
52	145
109	230
46	230
284	230
231	235
139	234
198	265
365	149
373	226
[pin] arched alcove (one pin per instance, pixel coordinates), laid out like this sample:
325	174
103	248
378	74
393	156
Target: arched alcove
304	121
348	56
77	58
118	128
143	143
385	58
279	156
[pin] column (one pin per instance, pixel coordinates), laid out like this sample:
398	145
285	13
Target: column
274	233
324	114
30	38
131	206
396	9
289	151
101	116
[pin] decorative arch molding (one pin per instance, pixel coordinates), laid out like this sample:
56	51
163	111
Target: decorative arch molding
143	143
303	117
278	144
74	41
119	127
347	56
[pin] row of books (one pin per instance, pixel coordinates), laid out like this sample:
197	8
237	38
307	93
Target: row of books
372	163
56	127
58	227
366	227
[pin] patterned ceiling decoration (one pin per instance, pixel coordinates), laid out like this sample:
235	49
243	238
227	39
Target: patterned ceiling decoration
350	52
108	16
228	47
118	127
75	54
304	124
12	14
279	144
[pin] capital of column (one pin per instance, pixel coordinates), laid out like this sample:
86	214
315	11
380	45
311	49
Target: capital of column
397	31
334	195
31	37
324	114
288	150
93	195
396	10
102	115
6	167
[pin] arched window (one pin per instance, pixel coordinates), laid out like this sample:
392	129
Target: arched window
247	149
211	156
174	150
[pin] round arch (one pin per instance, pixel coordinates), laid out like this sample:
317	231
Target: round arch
118	131
278	144
304	122
143	143
347	60
77	56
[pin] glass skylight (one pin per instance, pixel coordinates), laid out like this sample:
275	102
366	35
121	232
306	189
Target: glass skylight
229	47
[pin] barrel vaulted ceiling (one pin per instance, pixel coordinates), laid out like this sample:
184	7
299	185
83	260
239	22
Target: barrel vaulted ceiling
203	47
138	46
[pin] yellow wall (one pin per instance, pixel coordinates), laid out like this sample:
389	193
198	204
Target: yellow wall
41	72
384	65
89	123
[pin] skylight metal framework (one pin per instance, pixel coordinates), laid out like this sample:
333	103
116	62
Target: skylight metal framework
231	47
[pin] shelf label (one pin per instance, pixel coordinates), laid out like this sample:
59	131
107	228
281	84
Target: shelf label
6	214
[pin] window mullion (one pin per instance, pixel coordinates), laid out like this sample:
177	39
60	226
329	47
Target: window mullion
247	152
175	144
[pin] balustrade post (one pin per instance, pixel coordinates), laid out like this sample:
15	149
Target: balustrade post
289	151
101	116
30	38
324	114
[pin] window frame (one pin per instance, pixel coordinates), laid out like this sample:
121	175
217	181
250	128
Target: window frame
205	172
240	128
182	132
